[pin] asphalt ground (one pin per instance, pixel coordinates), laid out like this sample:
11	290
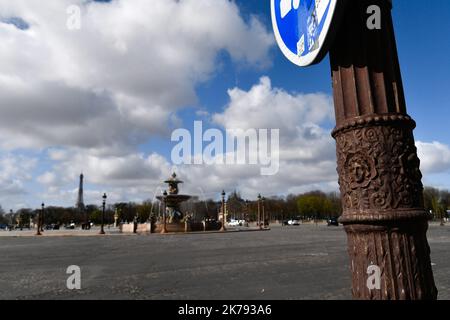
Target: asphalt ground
303	262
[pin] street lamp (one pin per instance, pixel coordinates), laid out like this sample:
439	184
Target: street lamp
38	232
247	213
164	228
102	231
263	212
259	211
42	217
223	212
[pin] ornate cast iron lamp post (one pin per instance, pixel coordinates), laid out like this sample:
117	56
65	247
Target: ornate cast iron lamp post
102	231
164	228
42	216
379	176
263	212
223	212
38	232
259	211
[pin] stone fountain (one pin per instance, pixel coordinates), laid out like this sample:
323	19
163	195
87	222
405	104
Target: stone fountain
173	200
176	220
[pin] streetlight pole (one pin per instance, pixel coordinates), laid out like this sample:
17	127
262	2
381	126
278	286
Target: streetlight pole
11	218
42	217
259	211
102	230
164	228
247	213
223	212
378	166
38	232
263	212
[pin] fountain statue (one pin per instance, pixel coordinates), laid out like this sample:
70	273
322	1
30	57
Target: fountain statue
173	200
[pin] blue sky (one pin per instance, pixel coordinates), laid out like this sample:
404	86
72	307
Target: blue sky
109	71
422	31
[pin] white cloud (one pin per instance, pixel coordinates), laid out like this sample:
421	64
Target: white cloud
307	153
121	77
48	178
300	118
434	157
267	107
125	178
15	172
91	97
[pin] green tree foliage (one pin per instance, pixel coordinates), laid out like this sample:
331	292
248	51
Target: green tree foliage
3	219
318	205
236	206
23	216
144	211
437	202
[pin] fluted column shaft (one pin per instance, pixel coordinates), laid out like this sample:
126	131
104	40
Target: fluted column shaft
378	167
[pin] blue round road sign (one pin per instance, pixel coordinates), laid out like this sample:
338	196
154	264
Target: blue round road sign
301	28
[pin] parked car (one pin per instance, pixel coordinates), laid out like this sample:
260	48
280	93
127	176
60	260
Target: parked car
3	226
333	222
52	226
233	223
70	226
294	222
236	223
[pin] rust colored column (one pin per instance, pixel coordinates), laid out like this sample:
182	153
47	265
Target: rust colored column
378	167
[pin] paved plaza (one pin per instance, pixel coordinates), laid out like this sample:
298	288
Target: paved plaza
304	262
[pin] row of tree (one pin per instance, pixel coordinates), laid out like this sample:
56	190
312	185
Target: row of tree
311	205
437	202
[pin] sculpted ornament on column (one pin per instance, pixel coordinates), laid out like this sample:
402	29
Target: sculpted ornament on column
382	195
379	168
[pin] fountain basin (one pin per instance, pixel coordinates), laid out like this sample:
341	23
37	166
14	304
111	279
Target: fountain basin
174	199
